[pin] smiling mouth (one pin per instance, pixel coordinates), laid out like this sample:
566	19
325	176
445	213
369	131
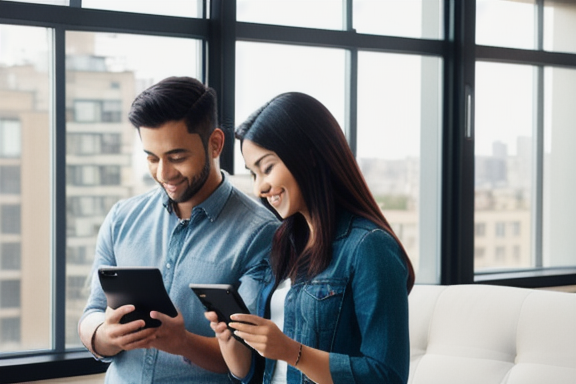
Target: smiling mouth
171	188
276	199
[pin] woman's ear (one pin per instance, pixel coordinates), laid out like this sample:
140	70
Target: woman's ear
216	143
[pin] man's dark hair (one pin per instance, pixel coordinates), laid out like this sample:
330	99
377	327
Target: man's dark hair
176	99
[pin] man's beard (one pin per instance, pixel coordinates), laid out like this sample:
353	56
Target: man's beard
197	183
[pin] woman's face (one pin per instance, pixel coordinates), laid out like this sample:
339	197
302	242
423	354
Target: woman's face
273	181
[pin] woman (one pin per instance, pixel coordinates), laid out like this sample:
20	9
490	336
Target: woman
334	306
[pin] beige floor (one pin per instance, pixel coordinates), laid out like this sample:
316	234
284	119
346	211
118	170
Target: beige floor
92	379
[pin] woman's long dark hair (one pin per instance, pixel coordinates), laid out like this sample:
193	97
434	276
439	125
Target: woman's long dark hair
310	142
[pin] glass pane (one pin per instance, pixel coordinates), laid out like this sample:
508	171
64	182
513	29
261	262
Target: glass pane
406	18
182	8
325	14
559	178
560	26
256	64
503	170
494	23
25	189
104	160
399	98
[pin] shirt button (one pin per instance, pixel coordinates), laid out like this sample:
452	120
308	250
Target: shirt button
168	265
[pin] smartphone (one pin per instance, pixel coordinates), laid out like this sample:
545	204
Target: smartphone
222	299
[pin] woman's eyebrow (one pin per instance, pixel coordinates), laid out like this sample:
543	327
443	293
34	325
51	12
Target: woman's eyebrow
257	162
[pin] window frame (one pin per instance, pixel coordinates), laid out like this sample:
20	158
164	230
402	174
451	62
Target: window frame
220	32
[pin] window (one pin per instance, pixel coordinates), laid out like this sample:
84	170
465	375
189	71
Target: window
480	229
519	155
479	253
325	14
9	294
10	179
10	331
10	138
111	143
500	229
188	8
11	219
500	254
108	111
110	175
493	23
10	256
515	228
26	225
398	148
93	143
559	188
415	18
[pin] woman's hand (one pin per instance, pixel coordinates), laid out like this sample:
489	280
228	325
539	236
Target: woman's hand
269	341
265	337
237	356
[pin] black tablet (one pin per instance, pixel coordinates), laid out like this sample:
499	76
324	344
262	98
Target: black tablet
222	299
141	286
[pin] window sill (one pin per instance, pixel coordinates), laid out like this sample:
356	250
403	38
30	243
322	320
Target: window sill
48	366
541	278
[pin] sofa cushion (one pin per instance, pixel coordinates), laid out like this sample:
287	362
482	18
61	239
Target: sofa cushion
491	334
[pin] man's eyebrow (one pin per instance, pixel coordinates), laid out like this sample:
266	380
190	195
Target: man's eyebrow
171	152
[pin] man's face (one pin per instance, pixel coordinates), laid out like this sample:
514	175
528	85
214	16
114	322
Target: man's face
177	160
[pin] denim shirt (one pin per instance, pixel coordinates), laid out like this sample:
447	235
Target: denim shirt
356	309
224	241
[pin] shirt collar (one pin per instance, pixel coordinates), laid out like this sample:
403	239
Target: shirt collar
214	204
344	221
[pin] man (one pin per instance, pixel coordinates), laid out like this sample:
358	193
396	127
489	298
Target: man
195	228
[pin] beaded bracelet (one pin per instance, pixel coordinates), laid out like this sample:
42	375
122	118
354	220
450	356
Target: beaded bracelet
299	355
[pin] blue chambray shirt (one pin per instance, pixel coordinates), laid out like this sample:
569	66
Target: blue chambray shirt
356	309
225	241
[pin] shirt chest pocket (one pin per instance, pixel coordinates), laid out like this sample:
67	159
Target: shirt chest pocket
320	306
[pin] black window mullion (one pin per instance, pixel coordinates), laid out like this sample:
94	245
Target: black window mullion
351	99
538	169
538	145
59	191
457	238
222	69
351	86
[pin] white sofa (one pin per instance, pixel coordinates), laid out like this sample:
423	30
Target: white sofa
482	334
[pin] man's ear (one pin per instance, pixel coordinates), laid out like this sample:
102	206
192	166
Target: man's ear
216	143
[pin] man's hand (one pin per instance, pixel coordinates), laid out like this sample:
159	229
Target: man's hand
170	336
113	337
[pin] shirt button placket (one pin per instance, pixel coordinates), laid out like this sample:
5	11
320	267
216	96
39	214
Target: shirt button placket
149	363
